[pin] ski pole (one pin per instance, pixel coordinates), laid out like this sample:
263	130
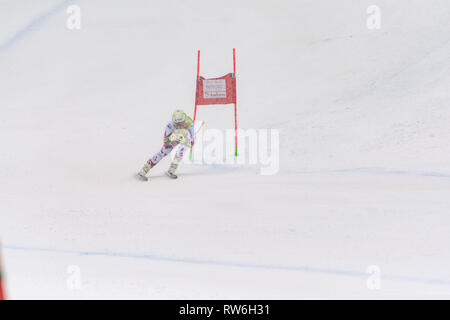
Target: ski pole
196	132
2	293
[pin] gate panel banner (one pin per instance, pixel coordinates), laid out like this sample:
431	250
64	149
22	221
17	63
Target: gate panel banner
216	91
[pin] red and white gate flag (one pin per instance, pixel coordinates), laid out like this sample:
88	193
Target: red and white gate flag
2	293
216	91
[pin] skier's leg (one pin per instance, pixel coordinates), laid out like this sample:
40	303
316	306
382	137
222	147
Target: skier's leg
165	150
176	160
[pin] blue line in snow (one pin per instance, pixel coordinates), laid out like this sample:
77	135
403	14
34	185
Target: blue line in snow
33	25
329	271
380	171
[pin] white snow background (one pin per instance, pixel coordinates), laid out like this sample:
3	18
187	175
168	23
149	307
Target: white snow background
364	129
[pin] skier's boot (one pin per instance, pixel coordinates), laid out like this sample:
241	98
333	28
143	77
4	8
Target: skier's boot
171	172
142	174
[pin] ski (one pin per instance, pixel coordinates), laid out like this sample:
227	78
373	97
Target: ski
141	177
171	175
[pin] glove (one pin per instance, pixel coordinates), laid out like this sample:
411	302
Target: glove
177	138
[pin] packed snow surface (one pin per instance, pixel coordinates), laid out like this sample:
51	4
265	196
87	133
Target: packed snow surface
364	174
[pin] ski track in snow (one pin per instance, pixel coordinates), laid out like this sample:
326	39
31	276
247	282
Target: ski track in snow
378	171
34	25
148	256
40	20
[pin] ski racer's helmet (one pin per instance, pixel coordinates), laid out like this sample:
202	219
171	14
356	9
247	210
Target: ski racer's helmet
179	118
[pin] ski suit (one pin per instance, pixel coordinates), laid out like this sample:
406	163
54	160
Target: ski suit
169	145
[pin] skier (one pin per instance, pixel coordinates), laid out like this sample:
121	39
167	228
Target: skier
178	131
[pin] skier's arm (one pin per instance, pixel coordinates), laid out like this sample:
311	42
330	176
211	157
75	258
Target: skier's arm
167	132
191	130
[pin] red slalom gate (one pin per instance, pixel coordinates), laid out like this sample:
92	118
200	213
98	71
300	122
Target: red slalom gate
2	292
220	90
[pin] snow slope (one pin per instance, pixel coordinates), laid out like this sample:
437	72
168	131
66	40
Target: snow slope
363	118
